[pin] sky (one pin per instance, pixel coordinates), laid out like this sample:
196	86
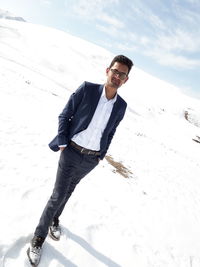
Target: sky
161	37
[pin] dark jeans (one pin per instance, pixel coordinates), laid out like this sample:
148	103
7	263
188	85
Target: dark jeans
72	167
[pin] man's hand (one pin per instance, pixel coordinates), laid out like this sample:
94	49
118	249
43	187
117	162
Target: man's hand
62	148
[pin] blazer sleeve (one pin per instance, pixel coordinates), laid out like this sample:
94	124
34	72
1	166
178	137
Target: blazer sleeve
67	114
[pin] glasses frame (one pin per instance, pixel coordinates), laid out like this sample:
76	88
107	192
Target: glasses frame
121	75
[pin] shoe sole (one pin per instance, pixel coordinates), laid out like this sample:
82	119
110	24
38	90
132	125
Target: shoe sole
33	264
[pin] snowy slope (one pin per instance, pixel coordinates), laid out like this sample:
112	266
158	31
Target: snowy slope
150	219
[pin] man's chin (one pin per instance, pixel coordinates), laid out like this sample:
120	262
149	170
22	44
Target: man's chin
114	85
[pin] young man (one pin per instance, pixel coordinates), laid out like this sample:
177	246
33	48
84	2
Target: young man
86	127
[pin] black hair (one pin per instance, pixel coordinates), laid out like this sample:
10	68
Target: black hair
123	60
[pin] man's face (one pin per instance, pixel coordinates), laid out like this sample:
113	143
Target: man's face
117	75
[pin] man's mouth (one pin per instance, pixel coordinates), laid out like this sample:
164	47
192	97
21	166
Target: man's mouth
115	82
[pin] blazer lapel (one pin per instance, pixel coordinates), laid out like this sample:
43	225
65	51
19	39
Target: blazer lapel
96	97
115	110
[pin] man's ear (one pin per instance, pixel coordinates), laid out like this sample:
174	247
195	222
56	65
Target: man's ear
107	70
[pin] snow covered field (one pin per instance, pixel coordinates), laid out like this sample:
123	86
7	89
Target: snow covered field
152	218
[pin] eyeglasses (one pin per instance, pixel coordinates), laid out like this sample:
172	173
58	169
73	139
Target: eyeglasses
122	75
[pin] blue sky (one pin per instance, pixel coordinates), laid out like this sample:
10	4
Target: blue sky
161	37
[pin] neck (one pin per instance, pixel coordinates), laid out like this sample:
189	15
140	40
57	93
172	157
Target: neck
110	92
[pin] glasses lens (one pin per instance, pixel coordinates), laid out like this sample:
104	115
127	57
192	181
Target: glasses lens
121	75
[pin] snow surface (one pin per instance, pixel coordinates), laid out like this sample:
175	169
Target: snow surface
152	218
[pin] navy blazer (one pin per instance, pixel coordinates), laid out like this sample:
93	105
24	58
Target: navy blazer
78	113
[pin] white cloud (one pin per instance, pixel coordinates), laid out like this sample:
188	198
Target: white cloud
96	10
193	1
187	17
145	14
46	2
89	8
180	40
171	39
139	39
172	59
111	20
156	22
168	33
126	47
109	30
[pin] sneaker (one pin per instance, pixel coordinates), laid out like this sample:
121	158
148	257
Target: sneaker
55	230
35	250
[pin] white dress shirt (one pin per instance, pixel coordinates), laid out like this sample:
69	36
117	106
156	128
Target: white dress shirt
91	137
